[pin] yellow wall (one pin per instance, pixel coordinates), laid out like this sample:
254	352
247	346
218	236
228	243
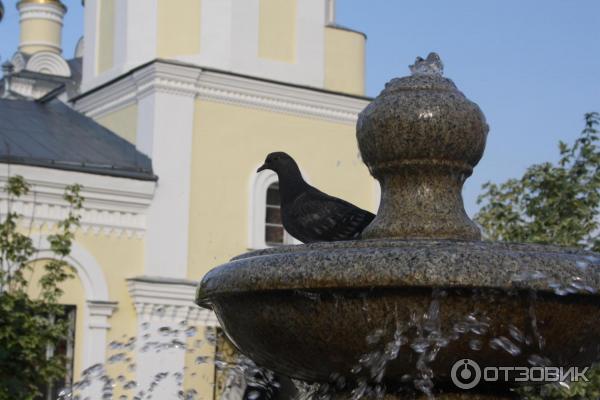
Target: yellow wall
178	28
123	122
344	61
40	30
277	30
106	36
220	189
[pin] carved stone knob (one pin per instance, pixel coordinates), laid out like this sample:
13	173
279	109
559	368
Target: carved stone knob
421	138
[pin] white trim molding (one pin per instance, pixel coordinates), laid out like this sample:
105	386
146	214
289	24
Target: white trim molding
257	212
224	87
112	206
168	299
98	314
87	268
259	183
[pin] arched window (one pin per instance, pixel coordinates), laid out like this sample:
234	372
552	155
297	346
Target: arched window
275	234
266	227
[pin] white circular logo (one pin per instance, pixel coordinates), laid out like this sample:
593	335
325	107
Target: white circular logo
466	374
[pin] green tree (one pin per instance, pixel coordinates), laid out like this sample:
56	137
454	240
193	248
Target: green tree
552	203
29	325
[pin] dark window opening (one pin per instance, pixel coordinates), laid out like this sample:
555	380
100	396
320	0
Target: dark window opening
275	235
66	349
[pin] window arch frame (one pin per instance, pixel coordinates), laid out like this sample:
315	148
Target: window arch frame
259	184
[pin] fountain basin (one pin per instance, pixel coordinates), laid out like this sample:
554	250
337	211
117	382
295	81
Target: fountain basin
313	311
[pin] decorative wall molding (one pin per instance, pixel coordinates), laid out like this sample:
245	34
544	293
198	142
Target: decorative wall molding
49	63
112	206
168	300
100	312
224	87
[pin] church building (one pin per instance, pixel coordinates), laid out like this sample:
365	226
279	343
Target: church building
163	114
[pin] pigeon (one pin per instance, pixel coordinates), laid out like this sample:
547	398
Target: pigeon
308	214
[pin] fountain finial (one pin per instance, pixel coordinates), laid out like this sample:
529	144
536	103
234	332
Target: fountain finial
432	65
421	138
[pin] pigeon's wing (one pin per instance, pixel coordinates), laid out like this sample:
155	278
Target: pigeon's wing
316	216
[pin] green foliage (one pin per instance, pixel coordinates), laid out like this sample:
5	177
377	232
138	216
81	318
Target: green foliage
575	391
29	325
552	204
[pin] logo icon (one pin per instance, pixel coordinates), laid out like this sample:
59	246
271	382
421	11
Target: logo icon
466	374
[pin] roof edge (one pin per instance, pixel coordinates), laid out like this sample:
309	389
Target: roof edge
345	28
80	167
219	71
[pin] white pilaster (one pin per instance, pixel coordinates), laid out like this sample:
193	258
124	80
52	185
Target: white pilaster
98	313
120	44
91	14
165	129
216	31
141	32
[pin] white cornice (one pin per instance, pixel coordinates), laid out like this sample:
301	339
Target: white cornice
159	299
222	87
112	206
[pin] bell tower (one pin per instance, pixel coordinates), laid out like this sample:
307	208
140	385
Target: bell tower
291	41
41	23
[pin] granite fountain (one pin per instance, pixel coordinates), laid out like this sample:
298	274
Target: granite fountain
390	315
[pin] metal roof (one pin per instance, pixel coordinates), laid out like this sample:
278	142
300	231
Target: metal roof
52	135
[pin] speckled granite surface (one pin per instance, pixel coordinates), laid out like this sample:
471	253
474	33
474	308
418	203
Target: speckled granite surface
421	138
405	263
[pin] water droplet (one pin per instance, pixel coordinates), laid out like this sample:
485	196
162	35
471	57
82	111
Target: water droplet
190	331
116	358
130	385
475	344
375	337
201	360
419	345
505	344
253	395
516	333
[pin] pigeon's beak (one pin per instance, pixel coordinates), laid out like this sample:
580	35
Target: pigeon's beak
262	167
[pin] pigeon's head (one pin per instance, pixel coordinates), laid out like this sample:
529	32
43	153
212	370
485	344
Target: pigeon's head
278	162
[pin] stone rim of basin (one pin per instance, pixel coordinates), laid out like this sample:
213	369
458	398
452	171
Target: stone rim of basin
367	264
